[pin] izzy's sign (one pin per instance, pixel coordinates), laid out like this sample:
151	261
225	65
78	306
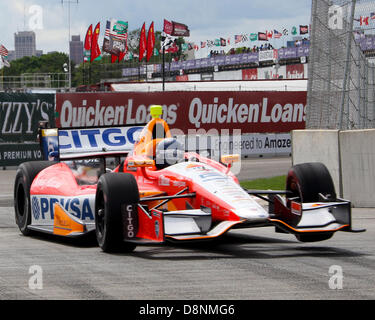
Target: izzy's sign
20	114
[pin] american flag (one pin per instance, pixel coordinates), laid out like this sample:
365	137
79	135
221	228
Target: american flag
3	51
113	34
237	38
277	34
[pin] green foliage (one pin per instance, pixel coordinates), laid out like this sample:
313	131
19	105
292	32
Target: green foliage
47	63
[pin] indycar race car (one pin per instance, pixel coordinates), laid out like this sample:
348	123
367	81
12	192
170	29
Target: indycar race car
160	192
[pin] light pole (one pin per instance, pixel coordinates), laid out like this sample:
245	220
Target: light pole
70	63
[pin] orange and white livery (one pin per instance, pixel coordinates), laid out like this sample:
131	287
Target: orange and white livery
159	192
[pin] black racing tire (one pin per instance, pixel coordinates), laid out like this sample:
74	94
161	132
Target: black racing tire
25	176
307	180
114	191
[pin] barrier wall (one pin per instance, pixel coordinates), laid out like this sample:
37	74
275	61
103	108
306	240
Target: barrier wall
318	146
348	155
358	166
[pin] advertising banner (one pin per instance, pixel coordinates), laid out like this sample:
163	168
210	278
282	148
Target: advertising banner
250	74
248	111
20	114
267	55
16	153
295	71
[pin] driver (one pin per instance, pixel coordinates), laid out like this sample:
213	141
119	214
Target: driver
168	151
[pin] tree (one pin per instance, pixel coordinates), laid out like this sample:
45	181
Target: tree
47	63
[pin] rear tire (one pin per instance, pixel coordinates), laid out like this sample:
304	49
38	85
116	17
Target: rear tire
25	176
306	181
114	191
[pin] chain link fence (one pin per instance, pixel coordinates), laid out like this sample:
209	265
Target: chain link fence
341	87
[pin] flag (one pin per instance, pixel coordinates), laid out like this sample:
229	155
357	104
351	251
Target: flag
116	37
363	21
122	55
113	58
303	29
285	32
184	47
277	34
203	44
245	38
294	31
173	48
117	29
217	42
269	34
5	62
223	42
95	50
262	36
180	30
228	41
237	38
210	43
3	51
168	42
168	27
87	44
142	42
372	15
150	42
253	36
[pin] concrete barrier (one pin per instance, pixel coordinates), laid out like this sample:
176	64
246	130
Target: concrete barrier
358	166
318	146
348	155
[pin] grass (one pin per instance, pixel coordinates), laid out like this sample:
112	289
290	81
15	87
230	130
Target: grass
275	183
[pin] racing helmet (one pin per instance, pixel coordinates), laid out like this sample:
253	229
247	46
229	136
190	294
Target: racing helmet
169	151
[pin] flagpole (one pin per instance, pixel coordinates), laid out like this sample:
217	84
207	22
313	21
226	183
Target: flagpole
163	68
2	76
70	68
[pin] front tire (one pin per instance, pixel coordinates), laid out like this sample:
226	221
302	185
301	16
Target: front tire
114	191
25	176
306	181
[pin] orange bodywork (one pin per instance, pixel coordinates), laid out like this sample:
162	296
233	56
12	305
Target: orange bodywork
155	131
63	224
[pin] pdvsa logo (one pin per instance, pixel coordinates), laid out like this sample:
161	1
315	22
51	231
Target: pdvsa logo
42	207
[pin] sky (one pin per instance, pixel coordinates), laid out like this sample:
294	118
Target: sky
206	19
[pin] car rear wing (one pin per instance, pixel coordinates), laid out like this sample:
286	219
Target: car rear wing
68	144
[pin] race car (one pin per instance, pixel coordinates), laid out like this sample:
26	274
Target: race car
160	192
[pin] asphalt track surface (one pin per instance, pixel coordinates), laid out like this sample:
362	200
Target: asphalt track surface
246	264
